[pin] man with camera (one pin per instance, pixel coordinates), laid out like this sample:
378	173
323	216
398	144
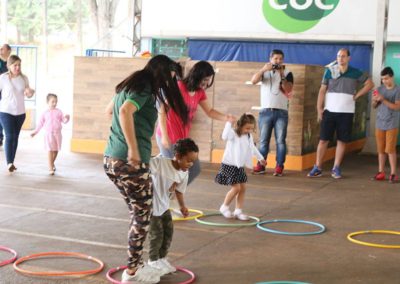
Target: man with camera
276	87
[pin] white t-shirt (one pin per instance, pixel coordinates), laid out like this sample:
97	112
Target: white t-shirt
271	94
239	151
164	175
12	94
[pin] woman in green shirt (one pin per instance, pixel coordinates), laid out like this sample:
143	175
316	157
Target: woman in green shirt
127	155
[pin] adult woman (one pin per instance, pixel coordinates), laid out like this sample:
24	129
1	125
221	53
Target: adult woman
14	87
126	158
171	127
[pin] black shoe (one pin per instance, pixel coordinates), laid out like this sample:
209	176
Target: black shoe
1	143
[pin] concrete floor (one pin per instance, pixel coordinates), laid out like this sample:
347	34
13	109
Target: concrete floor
79	210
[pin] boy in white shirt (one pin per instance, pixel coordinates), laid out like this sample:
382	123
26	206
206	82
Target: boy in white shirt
170	179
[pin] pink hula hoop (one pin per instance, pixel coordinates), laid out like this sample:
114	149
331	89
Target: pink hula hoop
114	270
11	260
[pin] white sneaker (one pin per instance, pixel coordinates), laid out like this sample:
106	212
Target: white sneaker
240	215
143	275
168	265
158	266
225	211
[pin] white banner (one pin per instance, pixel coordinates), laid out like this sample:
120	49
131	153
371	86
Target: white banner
334	20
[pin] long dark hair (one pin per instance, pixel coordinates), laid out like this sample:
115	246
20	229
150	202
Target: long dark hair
164	87
199	71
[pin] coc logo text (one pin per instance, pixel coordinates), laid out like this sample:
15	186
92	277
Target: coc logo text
295	16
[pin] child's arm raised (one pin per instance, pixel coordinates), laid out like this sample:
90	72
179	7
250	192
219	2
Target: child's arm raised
228	133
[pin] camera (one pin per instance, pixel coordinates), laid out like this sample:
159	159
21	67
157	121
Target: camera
277	66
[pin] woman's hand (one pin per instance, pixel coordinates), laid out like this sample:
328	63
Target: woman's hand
28	92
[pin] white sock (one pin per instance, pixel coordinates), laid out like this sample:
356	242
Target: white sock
223	208
237	211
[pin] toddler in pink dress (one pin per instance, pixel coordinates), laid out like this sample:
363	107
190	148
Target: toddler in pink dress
51	120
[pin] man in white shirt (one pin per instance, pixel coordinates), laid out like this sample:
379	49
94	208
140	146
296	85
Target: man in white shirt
276	87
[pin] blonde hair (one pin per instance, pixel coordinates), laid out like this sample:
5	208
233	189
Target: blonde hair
12	59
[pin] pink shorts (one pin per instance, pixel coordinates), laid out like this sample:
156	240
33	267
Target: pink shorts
52	141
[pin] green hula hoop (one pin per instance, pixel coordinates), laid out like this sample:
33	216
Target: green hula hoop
247	224
351	235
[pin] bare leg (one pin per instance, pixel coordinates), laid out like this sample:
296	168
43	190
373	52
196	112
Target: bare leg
232	194
55	153
393	162
382	161
321	150
340	149
240	196
50	160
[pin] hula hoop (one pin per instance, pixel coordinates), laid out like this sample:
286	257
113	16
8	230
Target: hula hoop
351	235
64	273
115	270
248	224
321	230
7	261
199	214
282	282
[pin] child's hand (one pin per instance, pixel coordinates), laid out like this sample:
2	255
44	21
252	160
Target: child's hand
33	134
231	118
184	211
263	162
67	117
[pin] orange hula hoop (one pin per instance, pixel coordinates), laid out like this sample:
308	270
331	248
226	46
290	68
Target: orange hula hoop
58	273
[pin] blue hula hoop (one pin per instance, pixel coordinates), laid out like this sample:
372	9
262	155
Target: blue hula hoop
282	282
261	227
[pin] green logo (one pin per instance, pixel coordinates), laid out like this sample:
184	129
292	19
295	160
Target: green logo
295	16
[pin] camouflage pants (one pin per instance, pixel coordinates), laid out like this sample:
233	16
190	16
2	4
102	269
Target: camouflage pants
160	235
134	183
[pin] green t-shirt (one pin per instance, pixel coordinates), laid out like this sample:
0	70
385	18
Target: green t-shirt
144	118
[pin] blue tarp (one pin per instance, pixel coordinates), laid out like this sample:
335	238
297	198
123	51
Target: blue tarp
295	53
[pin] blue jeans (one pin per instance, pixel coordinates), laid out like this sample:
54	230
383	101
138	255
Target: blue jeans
194	171
12	125
276	119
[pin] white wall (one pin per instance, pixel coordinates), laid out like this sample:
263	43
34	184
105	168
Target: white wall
352	20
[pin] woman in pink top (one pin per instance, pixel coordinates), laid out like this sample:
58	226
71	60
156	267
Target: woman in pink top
51	120
171	127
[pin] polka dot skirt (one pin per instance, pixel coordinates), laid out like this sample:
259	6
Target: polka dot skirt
229	175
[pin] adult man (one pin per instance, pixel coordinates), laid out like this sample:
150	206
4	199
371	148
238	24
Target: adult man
276	85
338	93
5	52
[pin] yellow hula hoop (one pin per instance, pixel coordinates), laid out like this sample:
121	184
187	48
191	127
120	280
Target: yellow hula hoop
199	214
351	235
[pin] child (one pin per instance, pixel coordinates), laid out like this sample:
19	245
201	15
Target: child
238	153
386	99
51	120
170	177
